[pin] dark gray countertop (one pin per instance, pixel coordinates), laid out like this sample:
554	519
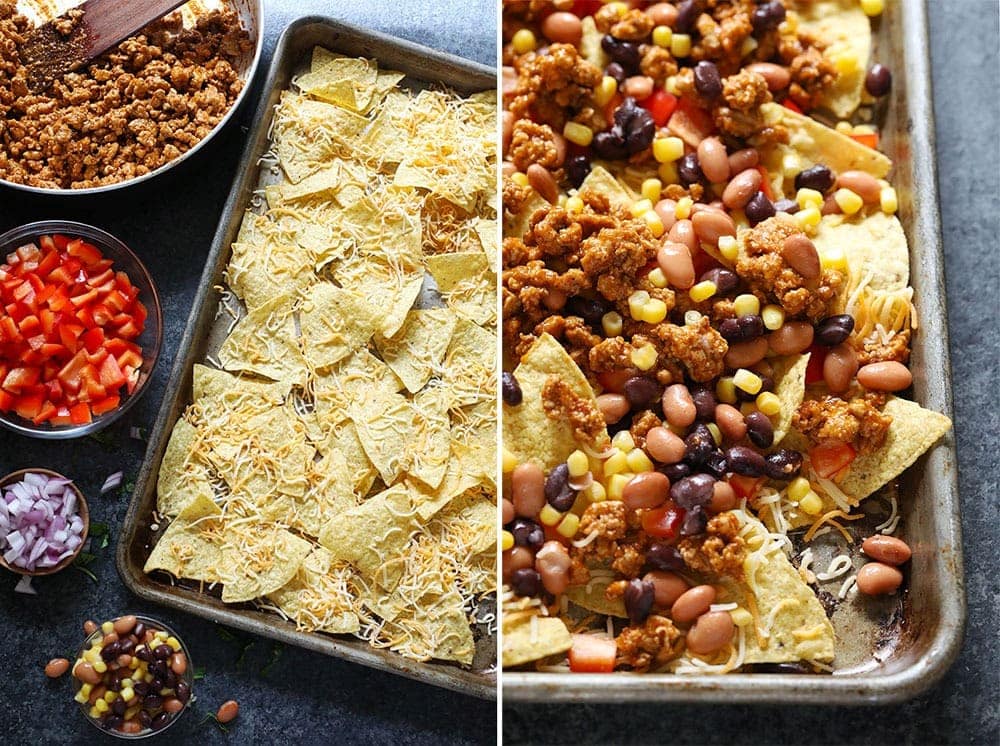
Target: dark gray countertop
962	708
302	697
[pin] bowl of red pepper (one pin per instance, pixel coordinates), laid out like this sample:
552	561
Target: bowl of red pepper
80	329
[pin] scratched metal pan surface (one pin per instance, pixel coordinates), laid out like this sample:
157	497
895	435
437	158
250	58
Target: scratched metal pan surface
204	334
888	649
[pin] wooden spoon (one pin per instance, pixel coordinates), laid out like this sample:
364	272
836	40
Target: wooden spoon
69	42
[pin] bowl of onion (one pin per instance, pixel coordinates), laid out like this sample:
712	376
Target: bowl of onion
44	522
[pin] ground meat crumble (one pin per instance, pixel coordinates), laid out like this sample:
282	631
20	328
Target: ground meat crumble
554	87
620	543
653	643
561	402
719	551
858	421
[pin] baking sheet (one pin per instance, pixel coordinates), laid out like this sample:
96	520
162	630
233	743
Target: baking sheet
892	648
204	333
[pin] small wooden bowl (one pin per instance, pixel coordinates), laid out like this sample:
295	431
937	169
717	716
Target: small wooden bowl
81	509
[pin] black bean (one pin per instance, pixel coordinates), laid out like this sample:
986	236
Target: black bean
767	16
162	652
783	464
144	718
144	653
817	177
511	389
716	464
640	131
698	444
878	81
695	521
591	310
759	429
692	491
707	80
789	206
759	209
663	556
616	71
746	461
704	402
171	681
673	472
114	722
139	630
558	493
118	707
742	328
833	330
160	721
725	280
610	145
577	169
641	392
110	651
526	582
152	702
687	13
639	595
141	688
156	684
183	691
625	53
527	533
689	171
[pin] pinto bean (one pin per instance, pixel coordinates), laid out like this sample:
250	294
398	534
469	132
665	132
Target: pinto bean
792	338
692	604
887	549
507	121
543	183
527	483
563	27
730	421
638	87
666	209
800	254
723	497
516	558
713	159
683	232
839	367
646	490
667	587
613	407
711	225
777	77
675	260
664	446
745	354
862	184
741	188
678	406
885	376
663	14
743	159
552	563
711	632
227	711
877	579
56	667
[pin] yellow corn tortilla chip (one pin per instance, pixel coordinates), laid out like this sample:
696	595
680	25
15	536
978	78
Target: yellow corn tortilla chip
192	545
528	433
789	386
211	383
474	517
416	350
269	559
345	81
308	133
317	597
525	640
429	448
257	275
385	424
264	342
430	501
335	322
335	388
183	476
389	285
600	181
590	596
516	224
474	441
469	366
452	270
486	230
343	437
438	627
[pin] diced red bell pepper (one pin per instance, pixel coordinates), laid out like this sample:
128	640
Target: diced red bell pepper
85	252
814	369
7	401
85	298
663	522
592	654
105	405
765	183
93	339
129	330
790	104
614	380
59	241
584	8
111	375
829	458
660	105
19	378
29	406
79	414
47	412
745	487
869	139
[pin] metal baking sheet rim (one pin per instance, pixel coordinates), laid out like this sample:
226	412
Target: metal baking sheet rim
937	472
405	55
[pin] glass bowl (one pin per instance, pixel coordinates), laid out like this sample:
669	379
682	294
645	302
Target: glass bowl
187	677
150	339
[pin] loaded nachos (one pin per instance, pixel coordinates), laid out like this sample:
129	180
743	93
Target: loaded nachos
707	322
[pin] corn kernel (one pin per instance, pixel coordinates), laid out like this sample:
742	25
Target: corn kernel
746	305
80	697
100	666
107	628
640	206
849	202
134	663
748	381
596	492
844	127
605	91
716	433
680	45
622	440
161	636
834	258
616	485
101	706
872	8
651	189
725	390
86	689
110	697
741	617
654	223
577	463
809	198
620	8
791	164
653	312
126	683
645	357
662	36
509	462
729	248
569	525
702	291
174	643
520	178
692	317
846	62
574	205
888	200
94	654
611	322
581	504
668	173
668	149
657	278
811	504
683	209
549	516
773	316
615	463
506	540
524	41
578	134
749	45
769	403
638	461
94	713
671	86
808	218
636	301
798	488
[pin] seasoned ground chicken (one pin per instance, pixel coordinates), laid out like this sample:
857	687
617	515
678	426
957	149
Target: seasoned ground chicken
562	403
633	26
873	350
719	551
620	543
699	348
642	423
657	63
554	87
533	143
811	71
858	421
738	113
722	35
515	196
651	644
762	267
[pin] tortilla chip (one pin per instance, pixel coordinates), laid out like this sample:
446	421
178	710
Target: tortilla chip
430	501
516	224
336	388
415	351
182	476
385	424
528	433
318	598
591	597
473	517
192	546
334	322
875	248
486	230
212	383
264	342
343	437
263	565
256	275
474	442
789	386
308	133
348	82
590	44
469	366
600	181
525	640
438	627
391	287
429	447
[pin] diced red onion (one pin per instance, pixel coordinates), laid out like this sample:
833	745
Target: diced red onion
113	481
39	522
